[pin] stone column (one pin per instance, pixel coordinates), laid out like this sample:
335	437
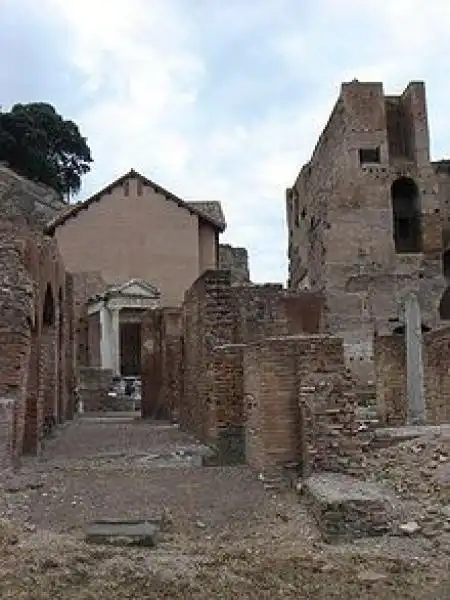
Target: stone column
414	362
105	339
115	341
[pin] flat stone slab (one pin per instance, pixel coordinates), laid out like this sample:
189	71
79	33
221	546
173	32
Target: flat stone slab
347	508
124	533
408	432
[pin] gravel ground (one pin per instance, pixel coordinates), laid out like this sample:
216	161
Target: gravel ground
229	538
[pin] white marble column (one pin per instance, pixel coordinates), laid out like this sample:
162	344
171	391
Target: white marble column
105	339
115	340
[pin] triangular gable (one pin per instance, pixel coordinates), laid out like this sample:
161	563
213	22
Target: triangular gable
135	287
214	216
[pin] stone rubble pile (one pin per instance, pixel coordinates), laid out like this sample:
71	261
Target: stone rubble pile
419	473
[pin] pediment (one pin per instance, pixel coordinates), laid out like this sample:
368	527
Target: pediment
135	287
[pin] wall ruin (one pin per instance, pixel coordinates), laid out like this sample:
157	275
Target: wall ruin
390	361
365	217
36	316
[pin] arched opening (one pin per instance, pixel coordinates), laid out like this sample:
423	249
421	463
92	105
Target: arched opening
446	264
444	305
406	216
48	313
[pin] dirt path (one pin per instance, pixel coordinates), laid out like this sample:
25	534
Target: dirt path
229	537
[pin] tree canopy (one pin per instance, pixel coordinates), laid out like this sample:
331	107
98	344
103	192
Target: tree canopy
38	143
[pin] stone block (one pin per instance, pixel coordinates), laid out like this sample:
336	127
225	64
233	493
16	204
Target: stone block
124	533
346	508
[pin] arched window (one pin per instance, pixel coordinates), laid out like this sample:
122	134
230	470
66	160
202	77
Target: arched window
406	215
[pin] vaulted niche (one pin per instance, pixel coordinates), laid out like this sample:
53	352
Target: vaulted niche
406	216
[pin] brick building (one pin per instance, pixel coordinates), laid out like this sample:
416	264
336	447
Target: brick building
368	218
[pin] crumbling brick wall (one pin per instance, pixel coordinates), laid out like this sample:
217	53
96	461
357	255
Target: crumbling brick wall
35	319
289	419
206	346
437	376
226	365
391	378
208	321
161	368
235	260
341	223
85	285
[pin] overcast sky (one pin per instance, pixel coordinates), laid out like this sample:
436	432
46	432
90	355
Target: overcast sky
219	99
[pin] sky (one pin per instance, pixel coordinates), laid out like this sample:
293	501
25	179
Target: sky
219	100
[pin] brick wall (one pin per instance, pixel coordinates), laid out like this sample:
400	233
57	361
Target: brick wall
299	406
226	365
84	286
236	261
35	320
390	369
341	223
197	361
94	334
437	375
390	361
161	356
151	368
94	384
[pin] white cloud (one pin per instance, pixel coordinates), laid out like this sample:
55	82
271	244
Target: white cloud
153	71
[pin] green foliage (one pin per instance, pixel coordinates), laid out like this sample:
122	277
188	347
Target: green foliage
36	142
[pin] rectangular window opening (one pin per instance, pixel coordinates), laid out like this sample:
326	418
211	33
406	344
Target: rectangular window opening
369	155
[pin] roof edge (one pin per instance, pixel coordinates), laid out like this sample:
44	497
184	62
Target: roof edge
78	207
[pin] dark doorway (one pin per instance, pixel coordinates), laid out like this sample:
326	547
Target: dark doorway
446	264
406	216
130	349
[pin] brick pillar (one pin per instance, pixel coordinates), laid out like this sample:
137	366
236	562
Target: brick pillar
31	444
7	409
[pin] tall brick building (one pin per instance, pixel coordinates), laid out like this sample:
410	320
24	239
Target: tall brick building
368	217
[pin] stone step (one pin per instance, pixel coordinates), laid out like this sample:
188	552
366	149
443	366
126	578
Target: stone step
346	508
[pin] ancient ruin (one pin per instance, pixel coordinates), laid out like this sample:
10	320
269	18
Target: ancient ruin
129	302
368	219
37	321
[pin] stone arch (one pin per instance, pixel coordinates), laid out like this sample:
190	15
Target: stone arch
406	216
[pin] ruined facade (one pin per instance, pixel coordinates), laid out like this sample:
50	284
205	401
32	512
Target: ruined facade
367	218
37	379
249	370
235	260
